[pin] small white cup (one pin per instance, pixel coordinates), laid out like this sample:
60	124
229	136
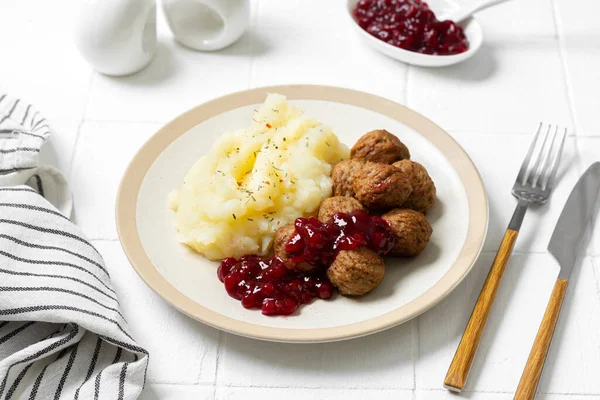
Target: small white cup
117	37
207	25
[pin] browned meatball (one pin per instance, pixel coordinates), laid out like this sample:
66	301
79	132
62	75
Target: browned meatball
356	272
342	176
381	186
282	236
380	146
422	197
411	229
336	204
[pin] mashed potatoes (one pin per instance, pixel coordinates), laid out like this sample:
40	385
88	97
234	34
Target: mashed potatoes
256	180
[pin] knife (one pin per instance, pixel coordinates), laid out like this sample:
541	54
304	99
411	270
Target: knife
564	245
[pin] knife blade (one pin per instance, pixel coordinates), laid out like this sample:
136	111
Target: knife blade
574	219
565	243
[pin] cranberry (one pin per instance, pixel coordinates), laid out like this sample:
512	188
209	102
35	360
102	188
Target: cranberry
269	290
249	269
252	300
285	306
274	273
293	288
235	285
268	307
226	267
269	285
410	25
324	290
317	243
295	243
309	282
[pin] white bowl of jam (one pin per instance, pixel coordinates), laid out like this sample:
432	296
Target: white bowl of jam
409	31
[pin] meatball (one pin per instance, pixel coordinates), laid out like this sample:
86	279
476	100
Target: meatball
411	229
380	146
342	176
356	272
336	204
422	197
282	236
381	186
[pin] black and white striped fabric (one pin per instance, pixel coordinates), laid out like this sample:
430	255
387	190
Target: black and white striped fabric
23	131
62	335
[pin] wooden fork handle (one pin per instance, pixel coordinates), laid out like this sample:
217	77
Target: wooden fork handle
535	363
465	353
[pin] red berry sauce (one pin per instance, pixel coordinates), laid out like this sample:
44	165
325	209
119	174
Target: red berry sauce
410	25
267	283
318	243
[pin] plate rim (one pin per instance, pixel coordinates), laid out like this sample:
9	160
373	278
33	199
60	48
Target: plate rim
126	212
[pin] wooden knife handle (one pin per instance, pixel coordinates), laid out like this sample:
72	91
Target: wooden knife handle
465	353
535	363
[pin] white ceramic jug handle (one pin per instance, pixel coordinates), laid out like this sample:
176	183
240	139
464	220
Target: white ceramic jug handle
207	24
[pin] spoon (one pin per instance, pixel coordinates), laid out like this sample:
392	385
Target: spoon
466	10
447	9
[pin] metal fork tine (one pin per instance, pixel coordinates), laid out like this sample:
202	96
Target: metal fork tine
522	177
535	171
543	170
554	168
546	169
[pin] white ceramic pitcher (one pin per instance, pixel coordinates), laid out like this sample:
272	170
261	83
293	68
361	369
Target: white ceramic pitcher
117	37
207	24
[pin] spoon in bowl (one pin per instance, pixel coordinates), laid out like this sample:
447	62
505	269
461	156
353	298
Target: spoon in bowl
466	10
447	10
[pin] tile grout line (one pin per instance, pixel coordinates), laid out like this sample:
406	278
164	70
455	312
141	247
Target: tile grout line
511	392
362	388
507	133
590	251
375	388
568	89
218	358
72	160
416	353
597	278
253	25
123	121
594	264
406	80
563	60
520	252
316	388
81	122
178	384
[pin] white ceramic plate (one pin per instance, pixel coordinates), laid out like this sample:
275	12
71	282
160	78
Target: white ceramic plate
441	8
188	281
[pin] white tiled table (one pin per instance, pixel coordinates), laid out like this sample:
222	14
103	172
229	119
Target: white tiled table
541	61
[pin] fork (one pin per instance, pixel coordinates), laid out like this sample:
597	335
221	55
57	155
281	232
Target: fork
532	186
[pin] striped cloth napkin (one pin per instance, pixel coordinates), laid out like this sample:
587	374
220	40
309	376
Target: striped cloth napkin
62	334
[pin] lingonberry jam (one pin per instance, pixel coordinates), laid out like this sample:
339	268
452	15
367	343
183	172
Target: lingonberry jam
267	283
410	25
317	243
